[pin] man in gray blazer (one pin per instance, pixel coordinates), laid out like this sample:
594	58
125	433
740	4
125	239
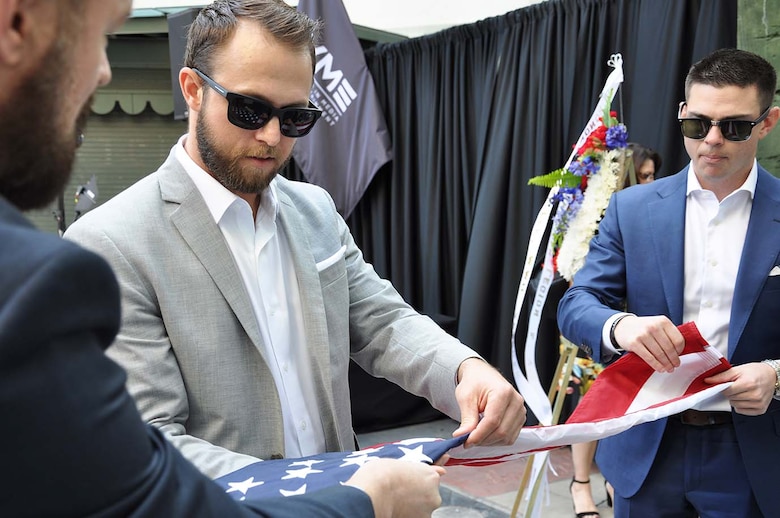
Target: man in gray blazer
71	439
244	294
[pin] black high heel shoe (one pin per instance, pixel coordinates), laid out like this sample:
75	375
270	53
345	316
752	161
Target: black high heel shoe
584	514
607	485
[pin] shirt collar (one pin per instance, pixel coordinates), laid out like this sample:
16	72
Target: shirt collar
219	199
748	186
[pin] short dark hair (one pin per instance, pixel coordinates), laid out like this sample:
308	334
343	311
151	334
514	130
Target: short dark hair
217	22
734	67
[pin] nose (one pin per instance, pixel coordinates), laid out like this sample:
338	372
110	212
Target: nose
104	70
714	135
271	132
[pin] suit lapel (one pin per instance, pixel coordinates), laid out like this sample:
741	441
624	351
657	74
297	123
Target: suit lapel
666	213
762	243
314	322
196	225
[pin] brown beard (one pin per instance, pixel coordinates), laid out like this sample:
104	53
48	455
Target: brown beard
36	156
227	170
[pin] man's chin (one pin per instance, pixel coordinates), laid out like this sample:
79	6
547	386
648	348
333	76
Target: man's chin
33	179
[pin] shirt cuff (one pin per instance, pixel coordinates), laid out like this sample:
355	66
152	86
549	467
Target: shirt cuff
606	343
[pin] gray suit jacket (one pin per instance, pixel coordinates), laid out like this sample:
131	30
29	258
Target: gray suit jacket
190	341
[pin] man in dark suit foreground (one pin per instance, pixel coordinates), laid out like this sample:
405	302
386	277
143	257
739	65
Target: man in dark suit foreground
72	441
702	246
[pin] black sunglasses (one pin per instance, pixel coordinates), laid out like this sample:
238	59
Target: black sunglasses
251	113
731	129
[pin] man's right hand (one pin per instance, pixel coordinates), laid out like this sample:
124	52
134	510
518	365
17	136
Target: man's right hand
399	489
654	339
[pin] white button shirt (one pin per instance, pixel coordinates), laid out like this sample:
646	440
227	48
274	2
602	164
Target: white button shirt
262	254
714	239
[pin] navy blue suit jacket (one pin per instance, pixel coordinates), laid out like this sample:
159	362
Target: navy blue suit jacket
71	440
638	256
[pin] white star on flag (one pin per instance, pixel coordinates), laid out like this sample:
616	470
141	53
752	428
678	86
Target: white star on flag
415	455
300	473
244	486
356	461
300	491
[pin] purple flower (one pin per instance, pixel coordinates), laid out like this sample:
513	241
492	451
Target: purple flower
586	166
617	137
569	201
565	195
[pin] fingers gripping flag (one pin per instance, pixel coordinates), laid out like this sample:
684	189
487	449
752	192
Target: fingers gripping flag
289	477
351	142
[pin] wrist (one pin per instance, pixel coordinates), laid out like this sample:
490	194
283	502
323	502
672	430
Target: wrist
612	328
775	364
463	364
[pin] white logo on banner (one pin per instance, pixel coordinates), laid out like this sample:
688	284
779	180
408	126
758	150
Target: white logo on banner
332	92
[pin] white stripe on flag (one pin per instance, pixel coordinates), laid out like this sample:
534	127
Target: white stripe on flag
662	386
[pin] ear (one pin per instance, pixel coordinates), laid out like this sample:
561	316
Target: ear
191	88
770	122
27	31
12	23
682	109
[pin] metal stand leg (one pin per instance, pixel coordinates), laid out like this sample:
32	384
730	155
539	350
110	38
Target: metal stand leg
556	394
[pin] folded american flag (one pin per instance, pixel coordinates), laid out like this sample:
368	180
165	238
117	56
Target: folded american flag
288	477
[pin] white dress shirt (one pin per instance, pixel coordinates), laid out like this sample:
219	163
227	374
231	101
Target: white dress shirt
714	238
263	257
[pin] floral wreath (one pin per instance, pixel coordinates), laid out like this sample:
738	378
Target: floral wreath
584	190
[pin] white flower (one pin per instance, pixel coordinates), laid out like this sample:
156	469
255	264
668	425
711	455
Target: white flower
582	228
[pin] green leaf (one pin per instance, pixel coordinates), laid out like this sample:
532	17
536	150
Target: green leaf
559	177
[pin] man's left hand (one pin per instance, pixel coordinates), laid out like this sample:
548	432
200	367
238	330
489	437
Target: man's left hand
753	388
482	390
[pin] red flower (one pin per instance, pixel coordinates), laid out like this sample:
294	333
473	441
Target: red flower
596	141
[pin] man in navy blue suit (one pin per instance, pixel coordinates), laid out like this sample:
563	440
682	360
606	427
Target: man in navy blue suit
71	440
702	246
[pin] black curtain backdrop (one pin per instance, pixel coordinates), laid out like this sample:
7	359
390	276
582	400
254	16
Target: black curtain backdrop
477	110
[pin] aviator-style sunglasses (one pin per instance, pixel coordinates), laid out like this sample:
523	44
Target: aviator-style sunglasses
251	113
731	129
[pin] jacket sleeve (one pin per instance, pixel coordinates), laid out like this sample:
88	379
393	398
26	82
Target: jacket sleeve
598	289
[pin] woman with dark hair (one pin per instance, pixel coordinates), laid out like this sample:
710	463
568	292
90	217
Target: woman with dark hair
646	164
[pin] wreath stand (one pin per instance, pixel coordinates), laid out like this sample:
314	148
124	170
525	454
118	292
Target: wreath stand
556	395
